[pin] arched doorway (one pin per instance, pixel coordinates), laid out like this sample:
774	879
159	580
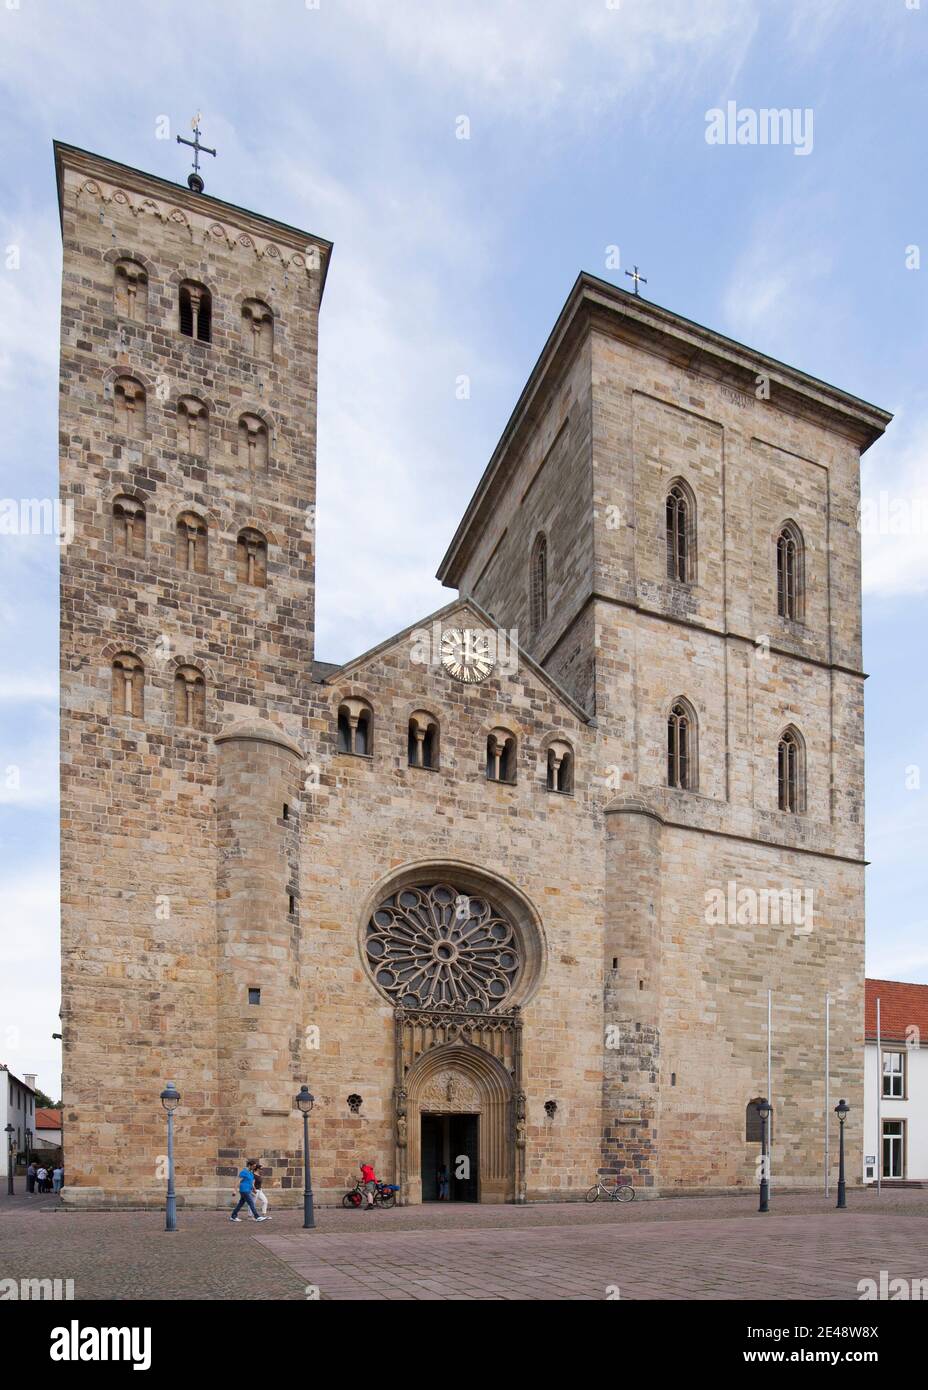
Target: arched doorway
458	951
462	1112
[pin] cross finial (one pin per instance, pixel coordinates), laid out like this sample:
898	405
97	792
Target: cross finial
194	180
636	278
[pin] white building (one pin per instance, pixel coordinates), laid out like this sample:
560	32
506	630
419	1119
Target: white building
17	1108
896	1082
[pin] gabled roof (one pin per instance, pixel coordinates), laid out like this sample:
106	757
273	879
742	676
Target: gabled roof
340	673
902	1006
595	303
47	1119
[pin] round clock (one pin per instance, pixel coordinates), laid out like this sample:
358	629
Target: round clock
466	655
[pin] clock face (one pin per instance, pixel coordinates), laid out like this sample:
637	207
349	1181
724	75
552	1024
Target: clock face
466	655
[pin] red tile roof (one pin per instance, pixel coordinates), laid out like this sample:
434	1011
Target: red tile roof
47	1119
901	1007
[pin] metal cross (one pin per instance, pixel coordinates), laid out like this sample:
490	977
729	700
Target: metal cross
636	277
194	180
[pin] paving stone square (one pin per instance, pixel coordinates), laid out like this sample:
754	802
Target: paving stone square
686	1249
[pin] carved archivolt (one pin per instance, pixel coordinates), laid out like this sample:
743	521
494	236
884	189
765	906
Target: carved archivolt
309	261
450	1091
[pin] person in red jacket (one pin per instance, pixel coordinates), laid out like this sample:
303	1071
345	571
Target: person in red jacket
370	1184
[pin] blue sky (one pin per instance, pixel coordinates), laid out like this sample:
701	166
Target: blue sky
587	130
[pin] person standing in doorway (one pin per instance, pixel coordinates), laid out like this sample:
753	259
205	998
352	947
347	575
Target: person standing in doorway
442	1183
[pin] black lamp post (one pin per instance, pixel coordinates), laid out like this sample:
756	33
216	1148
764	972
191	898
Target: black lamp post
170	1099
9	1160
764	1110
304	1103
842	1110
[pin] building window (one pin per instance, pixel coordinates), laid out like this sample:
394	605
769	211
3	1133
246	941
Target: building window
422	740
192	427
130	289
894	1075
254	996
192	541
128	686
251	558
253	442
560	774
753	1124
680	520
189	698
129	527
538	582
195	309
258	328
501	756
355	727
681	747
790	577
129	406
434	946
894	1148
790	772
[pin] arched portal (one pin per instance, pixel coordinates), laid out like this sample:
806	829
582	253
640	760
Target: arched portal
472	1088
458	951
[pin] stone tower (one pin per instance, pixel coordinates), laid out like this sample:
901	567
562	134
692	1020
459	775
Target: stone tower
524	909
628	408
188	456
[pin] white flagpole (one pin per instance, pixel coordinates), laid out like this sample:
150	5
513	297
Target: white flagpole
879	1102
769	1095
827	1080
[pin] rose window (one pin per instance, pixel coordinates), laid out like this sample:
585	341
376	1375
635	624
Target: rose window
437	948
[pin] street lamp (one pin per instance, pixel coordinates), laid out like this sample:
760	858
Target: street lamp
9	1160
304	1103
764	1110
170	1099
842	1110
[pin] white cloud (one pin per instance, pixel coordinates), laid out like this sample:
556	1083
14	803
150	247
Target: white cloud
894	511
904	962
782	268
30	986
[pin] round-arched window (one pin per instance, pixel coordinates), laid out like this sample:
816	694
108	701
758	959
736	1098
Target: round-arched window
434	947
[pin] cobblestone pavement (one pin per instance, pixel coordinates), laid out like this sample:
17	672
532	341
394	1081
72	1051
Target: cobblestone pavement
676	1248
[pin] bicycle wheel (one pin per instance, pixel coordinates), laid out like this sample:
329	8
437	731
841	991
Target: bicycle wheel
626	1193
352	1200
593	1194
386	1199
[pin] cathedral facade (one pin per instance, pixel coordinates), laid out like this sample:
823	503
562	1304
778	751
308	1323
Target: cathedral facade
538	888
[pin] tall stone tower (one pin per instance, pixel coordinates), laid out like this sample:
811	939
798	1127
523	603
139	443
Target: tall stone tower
188	455
695	503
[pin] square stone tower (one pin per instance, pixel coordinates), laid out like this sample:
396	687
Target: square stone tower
688	508
188	457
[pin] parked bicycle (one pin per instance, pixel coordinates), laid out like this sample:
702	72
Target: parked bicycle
621	1191
384	1195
